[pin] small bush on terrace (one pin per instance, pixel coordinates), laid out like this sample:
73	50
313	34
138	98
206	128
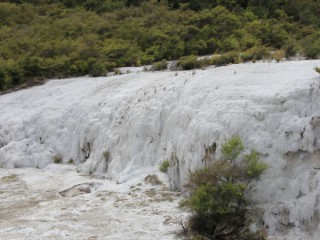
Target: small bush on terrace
164	166
188	62
192	62
227	58
279	55
158	66
219	194
255	54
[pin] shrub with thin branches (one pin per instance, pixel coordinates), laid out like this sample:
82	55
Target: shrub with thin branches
220	193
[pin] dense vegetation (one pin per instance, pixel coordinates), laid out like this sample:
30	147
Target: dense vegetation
220	193
48	38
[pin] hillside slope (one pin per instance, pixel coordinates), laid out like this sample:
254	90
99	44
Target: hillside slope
43	39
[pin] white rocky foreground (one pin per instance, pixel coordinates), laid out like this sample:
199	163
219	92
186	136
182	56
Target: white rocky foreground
59	203
141	119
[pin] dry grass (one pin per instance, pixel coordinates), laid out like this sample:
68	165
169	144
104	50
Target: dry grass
10	178
57	159
153	180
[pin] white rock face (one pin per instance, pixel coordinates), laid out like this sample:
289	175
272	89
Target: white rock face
142	119
59	203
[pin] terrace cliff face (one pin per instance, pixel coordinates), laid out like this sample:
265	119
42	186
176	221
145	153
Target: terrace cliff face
123	126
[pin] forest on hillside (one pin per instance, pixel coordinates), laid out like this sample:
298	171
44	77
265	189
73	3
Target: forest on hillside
43	39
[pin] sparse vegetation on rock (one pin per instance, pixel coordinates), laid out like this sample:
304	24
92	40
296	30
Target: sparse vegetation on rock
220	193
158	66
164	166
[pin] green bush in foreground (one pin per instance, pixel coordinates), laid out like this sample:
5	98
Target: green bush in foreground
219	194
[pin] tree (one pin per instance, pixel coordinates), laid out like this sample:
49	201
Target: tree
220	193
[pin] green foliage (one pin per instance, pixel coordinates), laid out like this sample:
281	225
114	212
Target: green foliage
252	166
317	69
192	62
158	66
255	53
97	68
188	62
279	55
164	166
232	149
50	39
313	50
227	58
291	48
220	192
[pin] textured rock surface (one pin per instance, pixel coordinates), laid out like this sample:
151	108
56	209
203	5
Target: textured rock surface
142	119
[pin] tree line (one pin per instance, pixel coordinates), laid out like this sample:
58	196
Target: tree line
43	39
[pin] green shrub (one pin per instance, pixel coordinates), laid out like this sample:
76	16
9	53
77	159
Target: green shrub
291	48
192	62
97	69
225	59
2	76
220	192
1	84
164	166
188	62
158	66
204	62
317	69
49	39
279	55
255	53
231	44
274	35
313	50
